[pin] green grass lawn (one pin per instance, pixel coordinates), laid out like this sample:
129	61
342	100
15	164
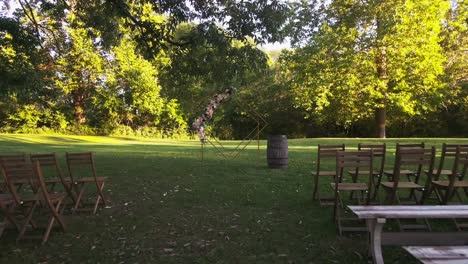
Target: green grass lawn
166	206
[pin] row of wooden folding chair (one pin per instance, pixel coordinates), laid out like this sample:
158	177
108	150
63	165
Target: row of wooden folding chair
329	152
78	164
363	160
36	199
410	161
434	174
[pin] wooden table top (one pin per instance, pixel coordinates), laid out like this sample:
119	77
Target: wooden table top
410	211
440	255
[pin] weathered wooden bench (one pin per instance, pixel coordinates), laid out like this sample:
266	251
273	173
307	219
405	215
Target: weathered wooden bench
440	255
376	217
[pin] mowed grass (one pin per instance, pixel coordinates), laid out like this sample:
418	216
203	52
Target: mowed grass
168	205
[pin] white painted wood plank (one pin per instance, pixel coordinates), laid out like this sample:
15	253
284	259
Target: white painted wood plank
440	255
413	211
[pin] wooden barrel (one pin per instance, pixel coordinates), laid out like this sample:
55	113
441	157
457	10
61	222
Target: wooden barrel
277	152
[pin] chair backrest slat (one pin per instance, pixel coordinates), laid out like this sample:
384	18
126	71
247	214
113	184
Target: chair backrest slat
79	158
13	158
19	172
379	152
355	160
418	157
329	151
49	159
460	164
410	145
448	151
77	162
378	149
16	175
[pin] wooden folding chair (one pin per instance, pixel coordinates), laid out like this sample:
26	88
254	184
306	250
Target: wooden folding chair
444	167
324	152
83	163
406	172
379	154
48	203
39	199
360	160
49	163
418	159
446	190
448	151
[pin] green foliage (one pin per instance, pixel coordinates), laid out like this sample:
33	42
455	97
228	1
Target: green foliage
79	70
203	68
25	119
370	55
137	80
53	119
171	121
23	68
146	68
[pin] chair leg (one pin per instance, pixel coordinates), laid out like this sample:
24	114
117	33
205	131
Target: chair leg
55	216
446	197
80	195
439	195
70	192
354	178
390	196
48	229
337	212
101	194
376	186
27	221
99	198
9	218
458	195
315	194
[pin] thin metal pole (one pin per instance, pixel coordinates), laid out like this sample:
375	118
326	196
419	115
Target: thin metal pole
258	144
202	159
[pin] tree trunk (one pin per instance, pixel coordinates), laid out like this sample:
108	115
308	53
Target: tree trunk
380	118
382	75
78	107
381	111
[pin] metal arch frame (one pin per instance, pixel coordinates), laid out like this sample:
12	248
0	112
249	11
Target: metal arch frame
229	155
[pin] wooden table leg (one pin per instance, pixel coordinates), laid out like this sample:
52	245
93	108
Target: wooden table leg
375	236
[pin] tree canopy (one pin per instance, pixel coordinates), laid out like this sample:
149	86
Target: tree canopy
358	68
